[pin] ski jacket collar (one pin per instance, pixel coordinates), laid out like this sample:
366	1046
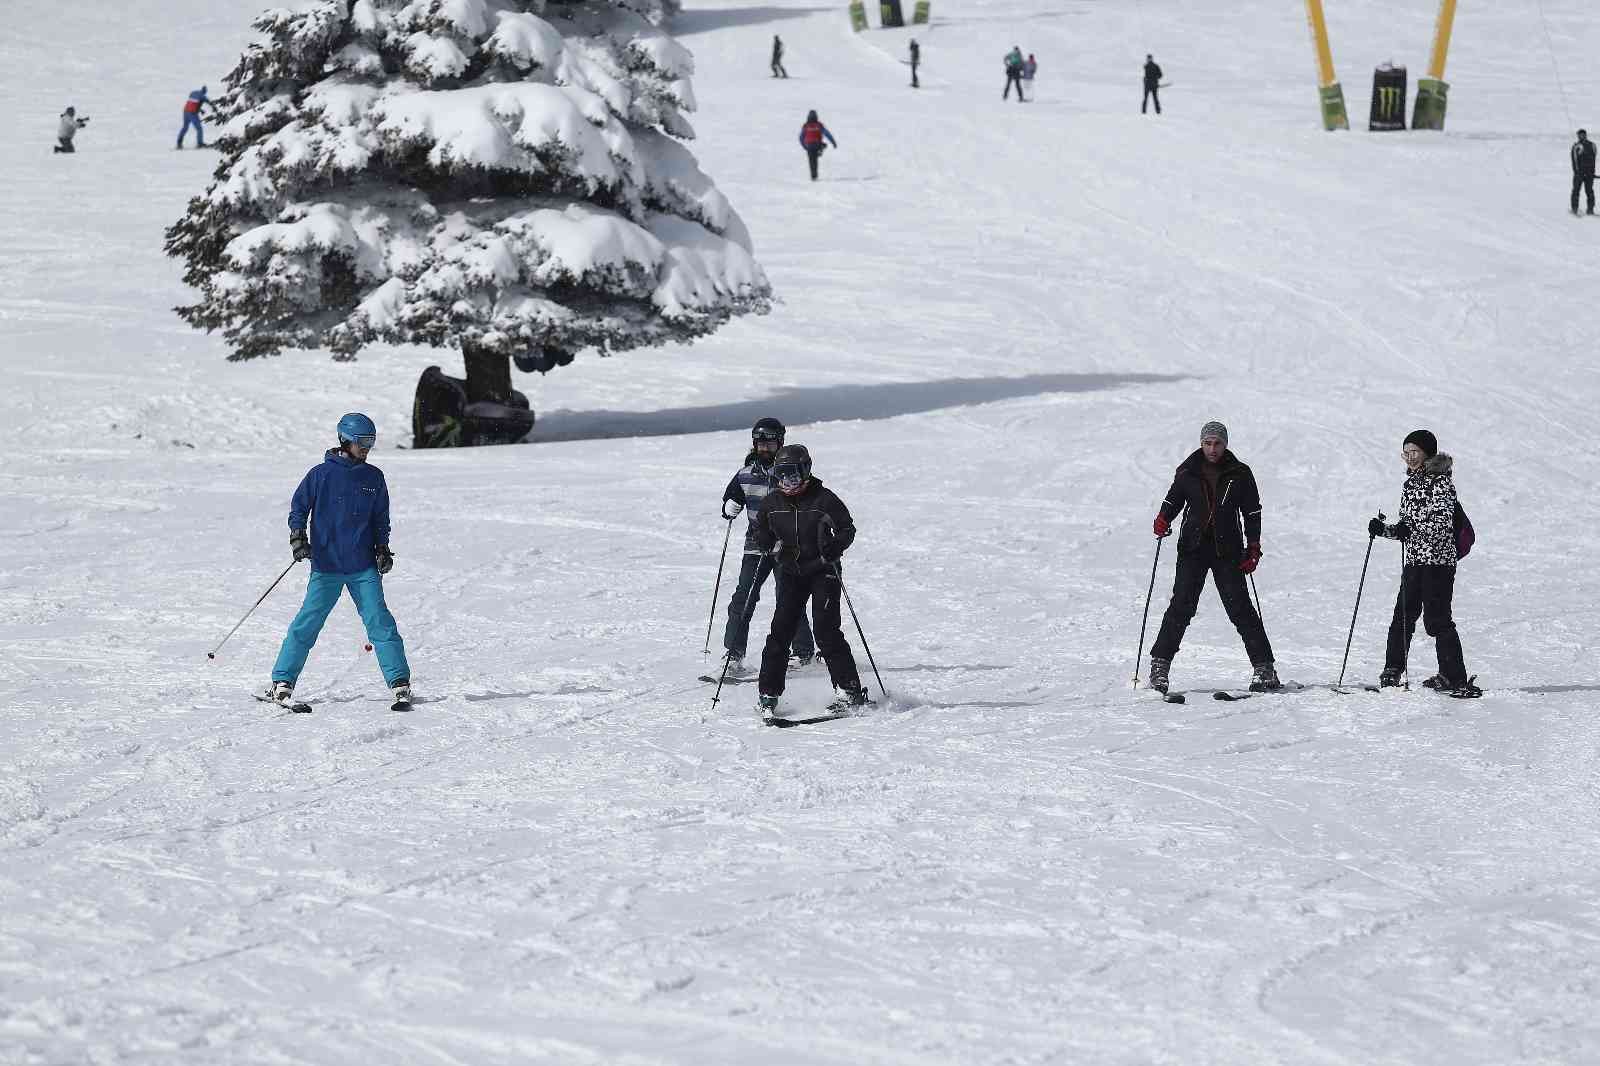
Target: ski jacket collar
1435	464
1193	464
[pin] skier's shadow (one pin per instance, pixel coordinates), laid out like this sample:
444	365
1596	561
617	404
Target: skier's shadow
800	405
1556	690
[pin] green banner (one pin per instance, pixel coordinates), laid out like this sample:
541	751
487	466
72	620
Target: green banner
919	14
858	15
1333	113
1432	95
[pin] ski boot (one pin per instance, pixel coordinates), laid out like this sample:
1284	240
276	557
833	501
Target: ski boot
400	691
768	706
849	700
1390	679
800	662
1265	678
1466	690
1159	669
1438	683
281	692
735	665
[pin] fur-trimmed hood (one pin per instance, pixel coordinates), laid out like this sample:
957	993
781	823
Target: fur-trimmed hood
1440	463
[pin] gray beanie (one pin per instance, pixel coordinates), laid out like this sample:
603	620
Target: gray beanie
1215	429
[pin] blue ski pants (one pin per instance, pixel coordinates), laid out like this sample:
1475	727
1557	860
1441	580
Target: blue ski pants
191	118
322	592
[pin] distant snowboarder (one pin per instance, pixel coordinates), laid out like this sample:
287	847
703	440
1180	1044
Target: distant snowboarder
916	59
1152	85
807	529
1217	495
777	58
1014	65
1030	67
70	124
812	136
347	502
745	493
1428	575
1583	158
191	117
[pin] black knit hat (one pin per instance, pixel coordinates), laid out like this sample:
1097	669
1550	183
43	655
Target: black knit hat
1424	440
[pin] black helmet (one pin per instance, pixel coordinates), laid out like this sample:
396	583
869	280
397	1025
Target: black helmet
767	429
792	468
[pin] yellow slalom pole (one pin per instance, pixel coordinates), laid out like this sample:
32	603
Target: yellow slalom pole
1433	91
1332	94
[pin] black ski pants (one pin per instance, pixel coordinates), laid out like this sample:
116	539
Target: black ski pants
1013	77
824	593
753	573
812	155
914	83
1193	567
1150	93
1586	183
1426	591
777	69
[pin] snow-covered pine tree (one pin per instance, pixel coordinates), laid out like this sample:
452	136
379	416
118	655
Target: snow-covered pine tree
501	176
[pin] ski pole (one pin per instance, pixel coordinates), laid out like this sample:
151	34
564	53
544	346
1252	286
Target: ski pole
1371	540
1257	594
212	654
717	695
1138	655
857	620
716	590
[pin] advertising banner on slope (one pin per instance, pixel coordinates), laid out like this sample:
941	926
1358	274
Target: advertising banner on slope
1388	98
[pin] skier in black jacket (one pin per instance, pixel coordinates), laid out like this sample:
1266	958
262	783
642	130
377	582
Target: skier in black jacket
1217	495
1152	85
1583	170
777	58
806	528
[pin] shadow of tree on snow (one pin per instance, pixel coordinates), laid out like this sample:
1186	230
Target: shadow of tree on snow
802	405
685	23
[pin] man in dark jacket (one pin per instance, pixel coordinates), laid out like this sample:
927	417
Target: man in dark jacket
777	58
916	58
1152	85
1217	495
752	484
806	528
1583	170
346	501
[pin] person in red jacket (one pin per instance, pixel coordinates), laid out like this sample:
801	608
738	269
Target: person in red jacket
191	117
812	136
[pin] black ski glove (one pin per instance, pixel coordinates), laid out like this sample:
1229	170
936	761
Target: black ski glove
1401	530
385	559
299	545
1376	528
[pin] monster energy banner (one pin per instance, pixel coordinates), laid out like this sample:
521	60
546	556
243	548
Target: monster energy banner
858	15
891	15
1388	98
919	14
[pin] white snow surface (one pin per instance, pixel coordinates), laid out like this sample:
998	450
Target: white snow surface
1001	328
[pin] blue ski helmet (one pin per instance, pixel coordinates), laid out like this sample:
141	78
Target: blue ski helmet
357	427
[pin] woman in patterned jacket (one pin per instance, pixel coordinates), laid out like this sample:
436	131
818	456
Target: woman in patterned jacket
1427	581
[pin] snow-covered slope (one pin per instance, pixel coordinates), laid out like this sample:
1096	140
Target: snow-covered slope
1002	327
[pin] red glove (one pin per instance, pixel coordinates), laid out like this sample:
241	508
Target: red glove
1163	527
1252	558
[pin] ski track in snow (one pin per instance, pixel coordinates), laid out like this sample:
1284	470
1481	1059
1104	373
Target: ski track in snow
1000	329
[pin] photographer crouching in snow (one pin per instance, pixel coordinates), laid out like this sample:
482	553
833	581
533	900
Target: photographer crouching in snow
1427	528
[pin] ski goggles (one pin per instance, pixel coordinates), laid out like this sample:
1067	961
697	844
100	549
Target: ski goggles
762	435
790	475
365	440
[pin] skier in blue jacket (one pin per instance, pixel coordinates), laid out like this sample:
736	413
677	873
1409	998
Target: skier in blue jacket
191	116
347	502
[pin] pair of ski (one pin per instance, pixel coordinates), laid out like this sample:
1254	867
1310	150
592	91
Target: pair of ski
1235	695
300	707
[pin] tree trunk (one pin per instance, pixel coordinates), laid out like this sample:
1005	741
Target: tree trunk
488	375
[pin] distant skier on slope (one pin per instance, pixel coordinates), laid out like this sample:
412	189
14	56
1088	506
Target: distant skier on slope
1030	67
69	125
1583	159
777	58
1152	85
812	136
1014	65
916	60
346	500
1217	495
807	529
1427	528
745	493
191	117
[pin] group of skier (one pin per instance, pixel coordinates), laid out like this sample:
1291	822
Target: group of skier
1220	503
1018	70
70	122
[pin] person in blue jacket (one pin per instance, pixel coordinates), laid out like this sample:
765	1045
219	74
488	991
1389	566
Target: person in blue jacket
191	117
812	135
346	501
